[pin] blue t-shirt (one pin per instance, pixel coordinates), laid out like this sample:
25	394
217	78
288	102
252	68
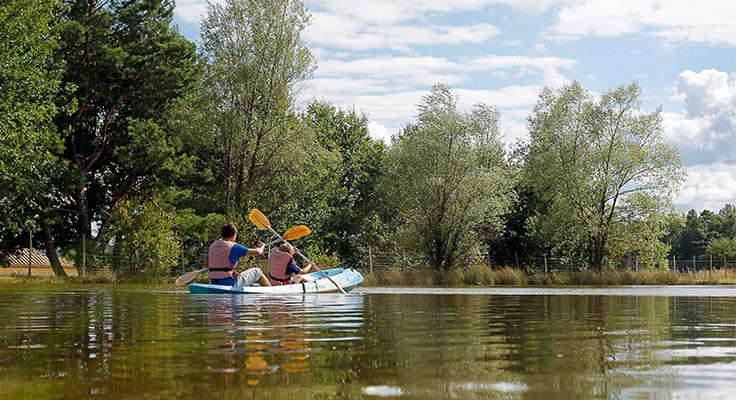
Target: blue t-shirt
236	253
292	268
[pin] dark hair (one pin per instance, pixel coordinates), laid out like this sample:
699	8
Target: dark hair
228	230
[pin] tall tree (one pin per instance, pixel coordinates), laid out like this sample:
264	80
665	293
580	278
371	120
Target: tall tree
694	237
29	81
254	144
601	164
127	63
446	183
347	192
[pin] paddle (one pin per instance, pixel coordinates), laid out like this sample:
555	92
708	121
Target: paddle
261	221
293	233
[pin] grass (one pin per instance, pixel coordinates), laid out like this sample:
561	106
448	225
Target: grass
481	275
473	275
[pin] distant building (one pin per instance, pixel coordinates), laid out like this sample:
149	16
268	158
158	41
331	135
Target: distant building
17	264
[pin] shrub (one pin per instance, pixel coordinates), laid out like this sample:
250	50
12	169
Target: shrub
478	274
509	276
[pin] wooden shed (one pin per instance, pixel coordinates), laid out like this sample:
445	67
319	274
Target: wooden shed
17	264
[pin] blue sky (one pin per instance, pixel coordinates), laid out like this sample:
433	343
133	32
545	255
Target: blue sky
381	57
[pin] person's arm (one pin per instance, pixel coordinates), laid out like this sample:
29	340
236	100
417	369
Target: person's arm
256	251
292	268
306	269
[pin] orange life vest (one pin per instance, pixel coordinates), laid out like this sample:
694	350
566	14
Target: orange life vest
218	260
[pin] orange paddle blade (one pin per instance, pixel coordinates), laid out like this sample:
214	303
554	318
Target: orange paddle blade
260	220
296	232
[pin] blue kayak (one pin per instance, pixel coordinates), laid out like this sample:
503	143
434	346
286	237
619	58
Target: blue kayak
347	278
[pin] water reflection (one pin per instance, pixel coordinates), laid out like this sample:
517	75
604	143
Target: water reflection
132	342
263	334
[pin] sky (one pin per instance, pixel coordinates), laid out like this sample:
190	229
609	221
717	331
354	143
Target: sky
381	56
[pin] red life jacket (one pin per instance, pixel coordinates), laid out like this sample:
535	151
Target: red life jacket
218	260
277	262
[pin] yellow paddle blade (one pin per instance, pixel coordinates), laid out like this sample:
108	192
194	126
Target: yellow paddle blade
188	277
260	220
296	232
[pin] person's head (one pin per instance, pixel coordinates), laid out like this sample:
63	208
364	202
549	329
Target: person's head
287	248
229	231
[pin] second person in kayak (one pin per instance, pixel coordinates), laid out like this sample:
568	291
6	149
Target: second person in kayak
282	270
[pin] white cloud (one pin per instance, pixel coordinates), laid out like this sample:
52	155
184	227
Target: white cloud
705	133
708	186
344	32
389	88
706	130
378	132
707	92
395	11
192	11
540	47
422	70
703	21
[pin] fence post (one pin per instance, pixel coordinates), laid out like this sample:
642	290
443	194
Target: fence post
84	253
403	260
546	271
710	267
516	257
636	263
370	260
674	263
725	268
30	251
694	266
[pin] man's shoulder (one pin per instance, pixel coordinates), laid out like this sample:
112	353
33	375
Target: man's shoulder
239	248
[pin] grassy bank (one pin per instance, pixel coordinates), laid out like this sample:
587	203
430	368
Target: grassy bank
480	275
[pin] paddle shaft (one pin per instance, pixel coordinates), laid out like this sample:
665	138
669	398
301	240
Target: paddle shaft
310	261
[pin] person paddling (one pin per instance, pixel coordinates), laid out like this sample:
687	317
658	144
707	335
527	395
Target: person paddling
281	266
222	258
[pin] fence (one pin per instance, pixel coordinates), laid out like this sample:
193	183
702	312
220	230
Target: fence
374	261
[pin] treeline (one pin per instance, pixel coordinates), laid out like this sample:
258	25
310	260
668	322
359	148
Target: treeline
126	146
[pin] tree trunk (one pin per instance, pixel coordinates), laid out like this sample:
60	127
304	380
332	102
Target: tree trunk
83	226
51	249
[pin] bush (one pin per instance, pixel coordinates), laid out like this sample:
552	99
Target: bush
509	276
103	275
478	274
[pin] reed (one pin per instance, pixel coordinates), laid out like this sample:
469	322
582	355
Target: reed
481	275
510	277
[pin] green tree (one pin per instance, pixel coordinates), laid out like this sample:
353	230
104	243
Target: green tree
446	183
347	192
146	245
722	247
693	240
601	164
727	221
127	64
29	81
250	137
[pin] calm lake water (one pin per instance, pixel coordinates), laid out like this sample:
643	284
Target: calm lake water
139	343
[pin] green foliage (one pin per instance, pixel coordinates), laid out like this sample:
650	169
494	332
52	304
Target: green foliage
197	233
446	184
700	234
251	139
146	245
603	166
29	80
722	247
347	191
126	64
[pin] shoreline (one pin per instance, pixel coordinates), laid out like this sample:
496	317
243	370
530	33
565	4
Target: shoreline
473	276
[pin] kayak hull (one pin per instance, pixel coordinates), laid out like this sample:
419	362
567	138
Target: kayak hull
347	278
